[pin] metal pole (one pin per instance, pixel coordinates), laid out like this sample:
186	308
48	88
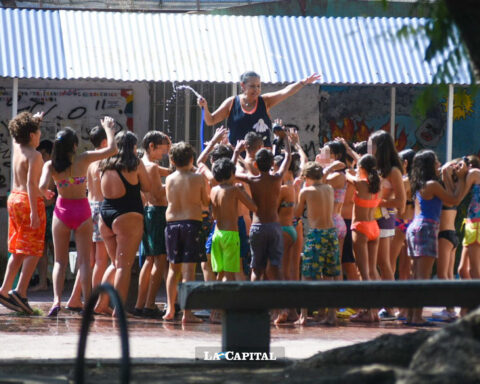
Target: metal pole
393	99
450	122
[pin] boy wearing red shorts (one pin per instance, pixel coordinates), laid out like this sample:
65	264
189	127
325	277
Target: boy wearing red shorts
26	211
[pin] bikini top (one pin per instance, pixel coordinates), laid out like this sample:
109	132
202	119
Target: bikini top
429	209
366	203
287	204
473	211
339	194
72	180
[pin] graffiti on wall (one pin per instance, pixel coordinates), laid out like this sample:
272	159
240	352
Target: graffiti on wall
80	109
323	113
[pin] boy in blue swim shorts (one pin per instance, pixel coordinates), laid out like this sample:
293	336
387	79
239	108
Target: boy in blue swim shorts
321	256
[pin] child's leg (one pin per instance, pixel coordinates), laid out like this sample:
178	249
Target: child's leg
383	259
174	271
75	300
464	265
13	266
143	282
101	262
42	268
360	249
396	246
189	275
445	248
474	258
28	267
61	241
208	274
287	256
156	277
422	271
83	241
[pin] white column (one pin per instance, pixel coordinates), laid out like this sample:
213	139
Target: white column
393	101
450	122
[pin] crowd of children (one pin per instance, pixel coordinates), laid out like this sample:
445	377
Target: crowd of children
358	212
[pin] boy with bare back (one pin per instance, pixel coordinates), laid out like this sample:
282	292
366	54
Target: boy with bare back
186	193
226	240
253	143
26	211
321	252
266	239
156	144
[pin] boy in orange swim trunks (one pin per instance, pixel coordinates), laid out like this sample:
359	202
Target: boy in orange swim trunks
26	211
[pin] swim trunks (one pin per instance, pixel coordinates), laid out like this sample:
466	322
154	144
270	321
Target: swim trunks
386	221
321	254
95	208
22	238
225	251
266	244
422	237
183	241
154	223
472	232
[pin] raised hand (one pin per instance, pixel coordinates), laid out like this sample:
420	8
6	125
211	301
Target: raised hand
311	79
202	102
107	122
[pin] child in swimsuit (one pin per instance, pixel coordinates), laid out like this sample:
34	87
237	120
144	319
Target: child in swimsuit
321	258
365	231
186	193
155	144
72	209
422	233
26	211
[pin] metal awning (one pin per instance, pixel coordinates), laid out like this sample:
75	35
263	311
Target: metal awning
126	46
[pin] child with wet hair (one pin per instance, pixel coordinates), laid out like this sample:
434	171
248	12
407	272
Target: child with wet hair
321	257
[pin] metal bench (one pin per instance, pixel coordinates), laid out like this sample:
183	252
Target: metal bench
246	305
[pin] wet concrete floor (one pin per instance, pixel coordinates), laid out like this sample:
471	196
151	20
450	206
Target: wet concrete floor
40	337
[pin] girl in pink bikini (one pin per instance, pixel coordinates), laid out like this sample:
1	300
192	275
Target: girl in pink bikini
72	209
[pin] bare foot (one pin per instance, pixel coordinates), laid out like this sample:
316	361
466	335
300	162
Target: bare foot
302	320
281	318
363	317
292	316
215	317
190	318
107	311
39	288
169	316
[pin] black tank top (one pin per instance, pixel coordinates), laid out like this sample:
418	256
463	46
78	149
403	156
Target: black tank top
240	123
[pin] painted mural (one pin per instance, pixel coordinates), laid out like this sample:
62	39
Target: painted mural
80	109
323	113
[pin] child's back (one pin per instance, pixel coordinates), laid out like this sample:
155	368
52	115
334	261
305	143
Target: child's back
186	193
319	200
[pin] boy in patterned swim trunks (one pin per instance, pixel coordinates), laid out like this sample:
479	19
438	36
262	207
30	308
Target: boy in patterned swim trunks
26	211
320	258
186	193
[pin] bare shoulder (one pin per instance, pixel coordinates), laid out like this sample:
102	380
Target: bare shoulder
395	173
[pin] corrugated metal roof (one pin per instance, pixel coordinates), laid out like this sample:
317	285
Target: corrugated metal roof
179	47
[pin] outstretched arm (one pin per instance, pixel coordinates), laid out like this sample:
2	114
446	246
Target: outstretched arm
217	137
245	199
220	114
273	98
288	157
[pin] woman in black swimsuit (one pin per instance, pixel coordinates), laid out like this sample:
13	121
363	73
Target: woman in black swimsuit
123	176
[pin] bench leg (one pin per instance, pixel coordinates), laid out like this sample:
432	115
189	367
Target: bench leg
246	331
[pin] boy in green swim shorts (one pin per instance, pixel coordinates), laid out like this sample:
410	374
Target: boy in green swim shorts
226	240
320	259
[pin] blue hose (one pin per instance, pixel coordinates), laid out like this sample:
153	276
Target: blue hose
202	124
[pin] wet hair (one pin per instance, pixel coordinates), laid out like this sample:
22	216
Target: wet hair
22	125
407	154
182	153
264	159
472	161
386	154
368	163
361	148
423	170
223	169
294	163
221	151
97	135
64	149
312	171
126	158
244	77
45	145
155	137
253	141
338	149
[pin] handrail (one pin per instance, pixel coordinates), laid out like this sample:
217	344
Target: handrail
87	318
